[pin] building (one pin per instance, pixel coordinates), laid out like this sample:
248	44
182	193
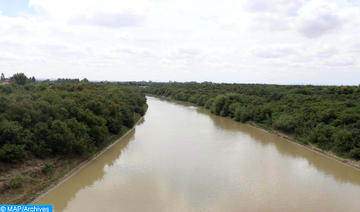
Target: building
6	82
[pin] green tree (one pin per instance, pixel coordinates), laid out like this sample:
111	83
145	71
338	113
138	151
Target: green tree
128	117
40	146
355	153
98	134
2	77
61	138
343	142
63	117
11	132
243	114
286	122
218	104
12	153
20	78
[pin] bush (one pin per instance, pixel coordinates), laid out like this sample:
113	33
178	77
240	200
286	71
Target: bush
209	103
355	153
12	153
11	132
98	134
322	135
128	117
114	124
218	104
61	138
343	142
16	182
48	168
286	122
243	114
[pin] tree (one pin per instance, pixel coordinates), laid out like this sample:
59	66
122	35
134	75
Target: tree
11	132
20	78
12	153
218	104
355	153
286	122
39	146
32	79
2	77
61	138
128	117
45	120
343	141
98	134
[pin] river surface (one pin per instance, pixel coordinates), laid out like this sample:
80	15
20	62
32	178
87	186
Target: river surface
181	158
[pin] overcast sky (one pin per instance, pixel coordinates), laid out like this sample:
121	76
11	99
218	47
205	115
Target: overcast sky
243	41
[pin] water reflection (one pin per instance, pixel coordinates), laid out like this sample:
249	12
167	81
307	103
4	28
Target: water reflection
63	194
335	169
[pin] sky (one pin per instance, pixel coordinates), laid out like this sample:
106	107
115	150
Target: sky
234	41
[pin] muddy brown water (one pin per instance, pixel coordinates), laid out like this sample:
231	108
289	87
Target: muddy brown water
181	158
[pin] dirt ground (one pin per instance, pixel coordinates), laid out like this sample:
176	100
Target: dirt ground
20	183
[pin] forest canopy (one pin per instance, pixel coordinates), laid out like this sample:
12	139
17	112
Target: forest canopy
45	119
327	116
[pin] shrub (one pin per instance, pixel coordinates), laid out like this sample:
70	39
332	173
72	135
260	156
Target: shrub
355	153
342	141
322	135
218	104
16	182
48	168
285	122
243	114
12	153
61	138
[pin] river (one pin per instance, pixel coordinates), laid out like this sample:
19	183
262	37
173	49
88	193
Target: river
182	158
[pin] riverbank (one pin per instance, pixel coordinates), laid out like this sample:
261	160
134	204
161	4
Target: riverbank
348	162
78	167
26	183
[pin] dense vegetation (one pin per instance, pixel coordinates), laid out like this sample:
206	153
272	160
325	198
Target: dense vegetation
65	117
327	116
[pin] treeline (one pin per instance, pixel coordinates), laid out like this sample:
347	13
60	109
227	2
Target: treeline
327	116
45	120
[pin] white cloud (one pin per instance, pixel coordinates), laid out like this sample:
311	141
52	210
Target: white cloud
279	51
319	18
340	61
277	41
320	25
283	7
69	8
108	20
